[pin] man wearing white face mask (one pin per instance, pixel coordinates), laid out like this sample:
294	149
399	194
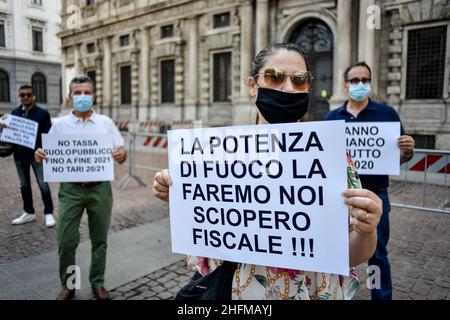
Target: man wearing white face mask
94	197
360	108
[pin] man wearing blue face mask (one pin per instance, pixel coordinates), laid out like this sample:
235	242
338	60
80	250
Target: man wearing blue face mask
75	198
360	108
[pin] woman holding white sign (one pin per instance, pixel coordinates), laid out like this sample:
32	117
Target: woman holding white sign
279	81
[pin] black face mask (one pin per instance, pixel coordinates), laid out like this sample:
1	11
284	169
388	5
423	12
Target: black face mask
281	107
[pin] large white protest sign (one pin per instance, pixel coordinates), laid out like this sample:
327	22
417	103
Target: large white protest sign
373	147
20	131
78	158
267	195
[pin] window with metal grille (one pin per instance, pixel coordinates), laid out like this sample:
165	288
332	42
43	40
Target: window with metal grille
125	84
168	81
2	34
4	86
39	84
426	63
424	141
36	2
124	40
221	20
90	47
92	74
222	76
37	40
167	31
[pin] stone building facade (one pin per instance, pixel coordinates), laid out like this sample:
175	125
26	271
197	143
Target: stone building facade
30	52
189	59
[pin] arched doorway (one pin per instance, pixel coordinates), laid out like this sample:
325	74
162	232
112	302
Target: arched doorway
4	86
316	40
39	84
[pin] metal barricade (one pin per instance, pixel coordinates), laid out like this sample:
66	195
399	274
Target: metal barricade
144	147
430	168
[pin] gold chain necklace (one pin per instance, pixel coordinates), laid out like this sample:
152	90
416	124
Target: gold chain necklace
322	287
240	288
271	280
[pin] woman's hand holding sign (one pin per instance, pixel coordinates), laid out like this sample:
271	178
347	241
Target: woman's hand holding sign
365	210
161	185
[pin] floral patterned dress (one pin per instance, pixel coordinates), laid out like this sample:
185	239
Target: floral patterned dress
254	282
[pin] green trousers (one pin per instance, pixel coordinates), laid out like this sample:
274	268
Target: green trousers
73	200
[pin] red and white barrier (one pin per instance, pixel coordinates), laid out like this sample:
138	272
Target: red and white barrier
181	123
155	142
155	126
148	138
122	125
432	163
150	126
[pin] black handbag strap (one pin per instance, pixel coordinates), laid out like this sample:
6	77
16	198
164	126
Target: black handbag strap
214	286
229	265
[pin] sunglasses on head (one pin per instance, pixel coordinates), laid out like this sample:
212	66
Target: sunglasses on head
274	78
23	95
357	80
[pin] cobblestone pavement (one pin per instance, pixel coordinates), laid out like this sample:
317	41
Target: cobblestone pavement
419	251
159	285
419	248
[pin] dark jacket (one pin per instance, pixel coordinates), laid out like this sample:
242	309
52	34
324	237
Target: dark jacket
42	117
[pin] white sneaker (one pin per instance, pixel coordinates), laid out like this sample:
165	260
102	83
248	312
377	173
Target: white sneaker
24	218
49	220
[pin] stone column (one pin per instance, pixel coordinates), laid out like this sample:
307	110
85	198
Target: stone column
64	82
366	41
64	88
76	58
395	62
134	84
179	84
154	76
246	45
144	88
107	92
341	52
191	102
242	105
204	80
262	24
117	110
99	83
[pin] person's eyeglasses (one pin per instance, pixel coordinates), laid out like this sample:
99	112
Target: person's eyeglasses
79	93
23	95
301	80
357	80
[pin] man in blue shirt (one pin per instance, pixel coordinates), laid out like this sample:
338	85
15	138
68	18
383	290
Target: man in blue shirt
24	159
359	108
